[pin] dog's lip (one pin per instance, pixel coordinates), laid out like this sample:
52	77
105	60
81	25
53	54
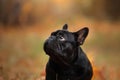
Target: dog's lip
59	46
58	57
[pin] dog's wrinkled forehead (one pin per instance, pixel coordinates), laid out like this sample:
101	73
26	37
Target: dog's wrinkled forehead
64	33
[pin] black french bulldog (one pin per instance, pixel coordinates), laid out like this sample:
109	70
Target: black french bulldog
67	60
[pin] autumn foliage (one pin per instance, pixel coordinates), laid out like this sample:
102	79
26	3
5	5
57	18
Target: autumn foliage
25	24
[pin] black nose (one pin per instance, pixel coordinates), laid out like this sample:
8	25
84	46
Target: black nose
49	41
48	44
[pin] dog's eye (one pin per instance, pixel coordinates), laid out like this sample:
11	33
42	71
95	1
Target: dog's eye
61	38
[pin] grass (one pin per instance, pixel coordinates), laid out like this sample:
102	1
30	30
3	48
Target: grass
21	56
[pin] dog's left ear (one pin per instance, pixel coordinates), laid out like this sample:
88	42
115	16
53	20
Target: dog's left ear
65	27
81	35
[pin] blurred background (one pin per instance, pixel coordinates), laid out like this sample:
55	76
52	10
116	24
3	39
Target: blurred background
25	24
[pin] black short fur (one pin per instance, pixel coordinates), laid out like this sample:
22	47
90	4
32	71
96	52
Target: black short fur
67	60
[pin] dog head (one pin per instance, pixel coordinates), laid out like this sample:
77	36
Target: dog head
62	45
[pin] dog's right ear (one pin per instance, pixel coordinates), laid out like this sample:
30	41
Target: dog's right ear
65	27
81	35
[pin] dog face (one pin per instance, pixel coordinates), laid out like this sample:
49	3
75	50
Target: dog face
62	44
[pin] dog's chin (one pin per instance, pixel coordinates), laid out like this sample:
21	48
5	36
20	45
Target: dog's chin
52	50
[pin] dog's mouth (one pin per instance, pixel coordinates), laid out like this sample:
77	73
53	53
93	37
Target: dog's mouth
59	47
53	49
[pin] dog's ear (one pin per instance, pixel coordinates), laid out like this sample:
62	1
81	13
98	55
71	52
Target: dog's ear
81	35
65	27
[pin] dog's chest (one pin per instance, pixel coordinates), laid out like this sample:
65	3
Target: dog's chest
68	74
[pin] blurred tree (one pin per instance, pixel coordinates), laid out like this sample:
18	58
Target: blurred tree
100	9
9	11
112	8
17	12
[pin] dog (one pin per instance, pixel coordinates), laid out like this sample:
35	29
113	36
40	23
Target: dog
67	61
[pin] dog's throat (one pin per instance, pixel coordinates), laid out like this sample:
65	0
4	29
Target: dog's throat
75	55
75	58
